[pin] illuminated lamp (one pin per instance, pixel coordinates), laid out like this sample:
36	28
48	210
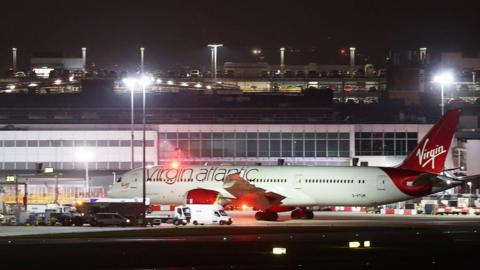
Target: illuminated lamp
48	170
145	81
175	164
279	251
354	244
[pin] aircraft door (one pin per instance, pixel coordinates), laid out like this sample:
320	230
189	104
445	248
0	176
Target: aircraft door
381	181
298	181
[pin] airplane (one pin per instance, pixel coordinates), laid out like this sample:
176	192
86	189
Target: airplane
273	189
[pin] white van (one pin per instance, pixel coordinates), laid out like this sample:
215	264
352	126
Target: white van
208	214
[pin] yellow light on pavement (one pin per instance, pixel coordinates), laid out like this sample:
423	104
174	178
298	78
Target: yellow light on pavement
354	244
279	251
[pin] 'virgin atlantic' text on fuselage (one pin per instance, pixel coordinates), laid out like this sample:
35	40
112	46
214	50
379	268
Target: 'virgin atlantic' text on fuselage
171	175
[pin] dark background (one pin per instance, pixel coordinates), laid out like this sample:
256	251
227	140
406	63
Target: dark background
177	32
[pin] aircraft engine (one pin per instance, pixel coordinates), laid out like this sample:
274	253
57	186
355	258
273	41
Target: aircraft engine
202	196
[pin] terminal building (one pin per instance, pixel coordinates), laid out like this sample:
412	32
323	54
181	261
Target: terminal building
102	153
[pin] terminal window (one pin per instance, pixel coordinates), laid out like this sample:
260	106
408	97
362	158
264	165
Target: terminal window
76	143
385	143
253	144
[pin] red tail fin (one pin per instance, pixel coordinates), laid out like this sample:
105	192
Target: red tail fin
430	154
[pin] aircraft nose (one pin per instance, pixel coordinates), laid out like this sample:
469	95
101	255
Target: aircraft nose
111	192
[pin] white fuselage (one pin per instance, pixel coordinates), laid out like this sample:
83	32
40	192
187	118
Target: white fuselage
300	185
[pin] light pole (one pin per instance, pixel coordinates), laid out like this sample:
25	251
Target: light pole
85	155
282	61
214	60
144	81
142	55
14	60
352	57
444	78
84	59
130	83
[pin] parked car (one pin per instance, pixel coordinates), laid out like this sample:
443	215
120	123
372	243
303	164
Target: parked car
109	219
66	219
195	73
3	220
20	74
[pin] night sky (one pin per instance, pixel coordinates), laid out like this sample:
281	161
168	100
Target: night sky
176	32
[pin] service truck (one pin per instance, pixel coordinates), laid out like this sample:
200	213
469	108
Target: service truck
180	216
208	214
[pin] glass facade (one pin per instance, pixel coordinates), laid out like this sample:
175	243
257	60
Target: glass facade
71	165
385	143
71	143
253	144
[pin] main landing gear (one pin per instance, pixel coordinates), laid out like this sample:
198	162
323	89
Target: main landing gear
267	216
302	213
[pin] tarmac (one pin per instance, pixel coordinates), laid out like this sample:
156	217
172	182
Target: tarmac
384	241
243	219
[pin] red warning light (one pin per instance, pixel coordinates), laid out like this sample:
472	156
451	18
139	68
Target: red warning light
343	51
175	164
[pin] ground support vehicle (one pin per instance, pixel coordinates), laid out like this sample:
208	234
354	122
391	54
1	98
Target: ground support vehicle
209	214
180	216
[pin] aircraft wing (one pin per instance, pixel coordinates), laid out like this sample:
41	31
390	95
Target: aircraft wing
255	196
242	191
470	178
223	194
444	180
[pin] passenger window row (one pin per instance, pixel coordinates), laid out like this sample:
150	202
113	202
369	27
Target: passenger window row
268	180
174	179
328	181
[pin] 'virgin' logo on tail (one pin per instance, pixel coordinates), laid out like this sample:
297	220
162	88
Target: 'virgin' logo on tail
425	157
